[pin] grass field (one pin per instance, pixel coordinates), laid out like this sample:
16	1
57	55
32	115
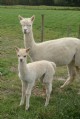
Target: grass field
63	104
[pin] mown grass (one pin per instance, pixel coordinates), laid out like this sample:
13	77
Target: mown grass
63	104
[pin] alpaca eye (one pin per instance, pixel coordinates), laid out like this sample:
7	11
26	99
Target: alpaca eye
29	25
24	55
18	55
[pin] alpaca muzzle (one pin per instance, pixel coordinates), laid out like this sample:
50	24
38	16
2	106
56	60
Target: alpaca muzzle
21	60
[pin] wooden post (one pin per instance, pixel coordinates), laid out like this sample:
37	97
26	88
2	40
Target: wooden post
79	32
42	28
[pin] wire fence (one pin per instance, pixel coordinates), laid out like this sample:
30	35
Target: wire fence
69	30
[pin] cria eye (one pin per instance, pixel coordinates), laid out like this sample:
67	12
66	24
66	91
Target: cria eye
24	55
18	55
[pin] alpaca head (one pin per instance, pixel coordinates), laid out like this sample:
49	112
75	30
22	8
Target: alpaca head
26	24
22	54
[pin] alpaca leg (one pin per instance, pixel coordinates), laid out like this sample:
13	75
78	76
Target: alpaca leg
28	94
72	74
78	74
24	86
78	71
48	92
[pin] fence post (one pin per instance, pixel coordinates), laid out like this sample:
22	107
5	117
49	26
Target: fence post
79	32
42	28
68	31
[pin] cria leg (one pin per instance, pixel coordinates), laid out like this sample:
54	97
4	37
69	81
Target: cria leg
24	86
28	94
48	92
71	73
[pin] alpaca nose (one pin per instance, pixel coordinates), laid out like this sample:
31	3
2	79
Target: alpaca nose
25	30
21	60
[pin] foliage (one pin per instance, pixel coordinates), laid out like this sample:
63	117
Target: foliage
41	2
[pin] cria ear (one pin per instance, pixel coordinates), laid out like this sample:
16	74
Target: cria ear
17	49
27	50
32	18
20	17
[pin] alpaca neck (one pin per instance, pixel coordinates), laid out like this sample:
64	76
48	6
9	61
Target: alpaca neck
29	40
22	67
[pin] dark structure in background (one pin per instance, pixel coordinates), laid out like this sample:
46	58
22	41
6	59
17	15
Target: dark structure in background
41	2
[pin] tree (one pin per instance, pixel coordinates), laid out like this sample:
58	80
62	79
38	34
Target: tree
59	2
41	2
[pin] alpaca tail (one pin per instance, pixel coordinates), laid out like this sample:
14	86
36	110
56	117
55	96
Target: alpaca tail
54	65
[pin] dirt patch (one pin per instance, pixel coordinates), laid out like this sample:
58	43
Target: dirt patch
39	91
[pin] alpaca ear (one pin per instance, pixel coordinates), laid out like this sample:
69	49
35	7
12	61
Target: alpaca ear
32	18
20	17
17	49
27	50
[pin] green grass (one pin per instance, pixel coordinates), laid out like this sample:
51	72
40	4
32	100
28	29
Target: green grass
63	104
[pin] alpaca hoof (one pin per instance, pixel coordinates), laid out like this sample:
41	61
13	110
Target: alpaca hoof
27	108
46	104
62	87
21	104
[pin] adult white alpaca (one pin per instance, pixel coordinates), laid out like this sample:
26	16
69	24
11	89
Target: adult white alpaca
63	51
28	73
